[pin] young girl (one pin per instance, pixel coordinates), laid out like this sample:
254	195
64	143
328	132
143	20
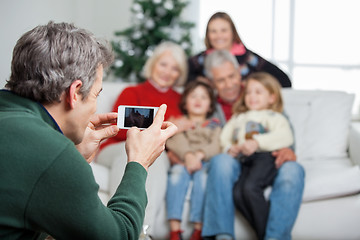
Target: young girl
194	147
256	128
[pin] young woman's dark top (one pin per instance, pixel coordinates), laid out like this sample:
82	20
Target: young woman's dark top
249	62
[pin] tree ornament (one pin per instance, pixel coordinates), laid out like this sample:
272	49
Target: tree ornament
118	63
150	24
161	11
169	5
137	35
136	7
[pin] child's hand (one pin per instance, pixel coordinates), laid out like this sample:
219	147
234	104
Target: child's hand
249	147
200	155
192	162
234	150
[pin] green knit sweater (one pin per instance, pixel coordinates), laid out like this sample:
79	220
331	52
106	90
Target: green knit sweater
46	186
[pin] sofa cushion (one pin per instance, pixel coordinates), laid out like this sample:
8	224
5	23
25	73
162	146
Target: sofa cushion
321	121
330	178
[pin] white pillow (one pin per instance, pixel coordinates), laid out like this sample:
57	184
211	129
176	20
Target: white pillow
321	120
298	111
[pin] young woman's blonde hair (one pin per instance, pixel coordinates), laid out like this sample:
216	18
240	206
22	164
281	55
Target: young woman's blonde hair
178	54
270	83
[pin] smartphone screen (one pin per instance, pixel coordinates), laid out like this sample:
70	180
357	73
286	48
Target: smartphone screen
141	117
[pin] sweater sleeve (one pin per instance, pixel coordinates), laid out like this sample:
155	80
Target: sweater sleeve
65	204
227	133
279	134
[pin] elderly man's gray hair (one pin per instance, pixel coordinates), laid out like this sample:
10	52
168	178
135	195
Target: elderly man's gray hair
217	58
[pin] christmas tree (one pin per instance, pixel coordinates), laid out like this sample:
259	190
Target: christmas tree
153	21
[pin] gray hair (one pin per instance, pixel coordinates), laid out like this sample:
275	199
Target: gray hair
177	52
49	58
217	58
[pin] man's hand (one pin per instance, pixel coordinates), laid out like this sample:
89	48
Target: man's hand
147	145
97	130
283	155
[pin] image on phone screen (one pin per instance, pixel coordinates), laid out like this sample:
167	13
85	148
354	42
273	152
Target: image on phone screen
138	117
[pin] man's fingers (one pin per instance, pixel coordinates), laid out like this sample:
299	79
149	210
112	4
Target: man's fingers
106	132
279	162
105	118
169	129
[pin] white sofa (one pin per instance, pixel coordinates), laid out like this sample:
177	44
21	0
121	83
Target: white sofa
327	145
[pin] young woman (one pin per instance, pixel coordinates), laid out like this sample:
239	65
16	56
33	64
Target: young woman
222	34
194	147
257	128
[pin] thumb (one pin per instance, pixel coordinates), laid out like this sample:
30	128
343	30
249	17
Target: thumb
159	118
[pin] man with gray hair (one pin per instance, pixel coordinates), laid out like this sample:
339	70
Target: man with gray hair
222	68
48	134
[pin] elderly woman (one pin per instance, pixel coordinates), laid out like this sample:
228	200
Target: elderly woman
221	34
164	70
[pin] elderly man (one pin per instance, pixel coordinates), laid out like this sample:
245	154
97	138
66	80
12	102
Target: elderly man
223	70
48	132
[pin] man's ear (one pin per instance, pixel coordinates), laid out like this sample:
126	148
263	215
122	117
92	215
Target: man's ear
74	95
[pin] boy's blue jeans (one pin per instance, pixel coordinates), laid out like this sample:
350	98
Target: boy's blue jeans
177	186
219	209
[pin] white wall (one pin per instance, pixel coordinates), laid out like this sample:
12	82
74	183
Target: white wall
18	16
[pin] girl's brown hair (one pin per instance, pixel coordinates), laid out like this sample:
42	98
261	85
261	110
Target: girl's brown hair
270	83
226	17
191	87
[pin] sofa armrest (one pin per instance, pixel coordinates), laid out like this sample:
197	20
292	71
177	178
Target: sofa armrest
354	142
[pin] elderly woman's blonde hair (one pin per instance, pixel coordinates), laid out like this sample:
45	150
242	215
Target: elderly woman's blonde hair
178	54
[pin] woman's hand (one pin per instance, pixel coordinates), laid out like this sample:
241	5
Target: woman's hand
182	123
